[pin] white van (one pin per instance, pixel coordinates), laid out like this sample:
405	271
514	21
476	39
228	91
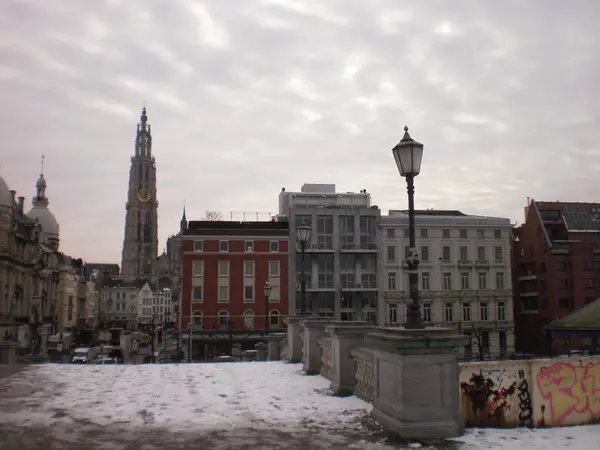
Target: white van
84	355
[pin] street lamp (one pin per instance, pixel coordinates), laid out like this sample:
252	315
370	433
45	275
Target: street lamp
408	154
267	291
303	237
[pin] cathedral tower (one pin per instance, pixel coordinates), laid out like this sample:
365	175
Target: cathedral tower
140	245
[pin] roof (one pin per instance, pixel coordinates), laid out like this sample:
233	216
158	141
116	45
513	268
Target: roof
578	217
121	284
221	227
586	319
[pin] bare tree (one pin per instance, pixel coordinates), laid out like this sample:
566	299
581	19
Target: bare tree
213	216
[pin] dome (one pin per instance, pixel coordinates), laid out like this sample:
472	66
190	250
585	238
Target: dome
5	195
41	182
46	219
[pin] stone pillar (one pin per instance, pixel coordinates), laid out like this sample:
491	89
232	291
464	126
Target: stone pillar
273	341
416	382
8	352
345	336
261	351
314	328
294	342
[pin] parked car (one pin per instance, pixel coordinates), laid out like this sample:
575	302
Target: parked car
84	355
106	360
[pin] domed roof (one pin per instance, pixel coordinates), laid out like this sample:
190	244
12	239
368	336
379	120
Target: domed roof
46	219
5	195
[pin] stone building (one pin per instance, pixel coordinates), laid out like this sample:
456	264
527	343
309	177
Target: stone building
464	276
341	262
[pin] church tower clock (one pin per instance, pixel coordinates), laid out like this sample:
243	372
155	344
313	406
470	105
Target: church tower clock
140	244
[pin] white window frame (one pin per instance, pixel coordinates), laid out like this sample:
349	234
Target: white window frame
249	317
277	273
224	298
274	246
196	315
249	273
251	298
274	313
427	312
392	313
223	264
194	298
425	281
198	245
391	249
198	273
223	248
222	315
392	281
248	246
275	295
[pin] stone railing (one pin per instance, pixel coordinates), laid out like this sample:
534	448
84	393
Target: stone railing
326	357
364	373
283	348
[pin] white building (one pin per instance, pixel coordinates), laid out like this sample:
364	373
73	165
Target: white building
145	304
464	275
119	304
163	305
341	258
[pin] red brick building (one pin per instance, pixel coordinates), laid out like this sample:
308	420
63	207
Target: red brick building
556	269
224	270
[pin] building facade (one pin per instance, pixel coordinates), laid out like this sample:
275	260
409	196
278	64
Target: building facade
224	270
140	243
464	276
120	303
556	260
341	259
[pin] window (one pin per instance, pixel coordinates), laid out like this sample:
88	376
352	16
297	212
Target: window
249	268
274	319
197	293
446	253
445	233
274	246
391	253
198	268
466	312
498	256
480	234
480	253
249	246
406	252
427	312
424	233
198	246
464	253
502	342
325	232
393	313
497	234
248	320
368	230
561	266
564	283
347	232
406	233
275	294
197	319
223	268
424	253
223	318
248	293
464	280
274	269
391	281
482	280
223	293
463	234
499	280
390	233
425	281
483	311
447	281
449	312
223	246
501	311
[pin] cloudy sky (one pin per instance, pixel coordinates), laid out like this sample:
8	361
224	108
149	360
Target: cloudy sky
247	97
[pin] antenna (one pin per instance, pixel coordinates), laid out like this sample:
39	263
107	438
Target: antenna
42	165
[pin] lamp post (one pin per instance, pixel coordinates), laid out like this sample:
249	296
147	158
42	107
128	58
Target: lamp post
267	291
303	236
408	154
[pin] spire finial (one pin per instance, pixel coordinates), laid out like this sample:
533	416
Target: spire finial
406	128
406	136
42	165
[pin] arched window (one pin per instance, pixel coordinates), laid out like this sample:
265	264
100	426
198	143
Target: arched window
197	318
274	317
249	319
223	318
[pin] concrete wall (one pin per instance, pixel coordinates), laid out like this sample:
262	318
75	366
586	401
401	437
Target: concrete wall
537	393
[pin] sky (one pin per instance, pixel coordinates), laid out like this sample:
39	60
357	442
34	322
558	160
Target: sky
247	97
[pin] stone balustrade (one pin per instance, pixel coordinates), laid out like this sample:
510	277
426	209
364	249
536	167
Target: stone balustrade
283	348
364	386
325	343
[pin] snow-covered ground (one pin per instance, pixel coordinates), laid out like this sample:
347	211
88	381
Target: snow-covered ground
213	406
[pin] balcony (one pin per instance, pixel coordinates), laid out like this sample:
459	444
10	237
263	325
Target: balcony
482	263
560	248
596	251
318	248
528	276
528	294
354	248
465	263
499	263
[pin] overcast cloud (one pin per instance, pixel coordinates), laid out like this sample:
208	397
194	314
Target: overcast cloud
247	97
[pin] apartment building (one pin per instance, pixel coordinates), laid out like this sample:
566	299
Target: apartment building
341	259
224	270
119	303
464	276
556	259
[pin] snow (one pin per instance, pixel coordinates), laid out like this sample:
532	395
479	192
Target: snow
217	406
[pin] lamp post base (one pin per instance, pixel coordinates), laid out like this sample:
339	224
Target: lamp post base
414	321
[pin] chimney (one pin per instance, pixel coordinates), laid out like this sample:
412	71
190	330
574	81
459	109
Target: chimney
21	204
528	201
12	198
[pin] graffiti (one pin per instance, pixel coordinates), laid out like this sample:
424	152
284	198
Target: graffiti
525	407
487	397
571	390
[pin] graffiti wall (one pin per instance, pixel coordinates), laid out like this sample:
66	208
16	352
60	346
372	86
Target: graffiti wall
532	393
567	391
496	394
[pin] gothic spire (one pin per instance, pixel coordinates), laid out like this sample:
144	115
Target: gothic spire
143	139
183	222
